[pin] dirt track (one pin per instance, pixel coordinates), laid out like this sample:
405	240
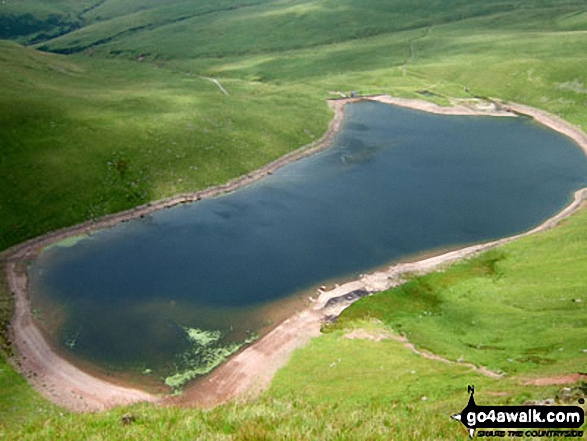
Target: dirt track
250	371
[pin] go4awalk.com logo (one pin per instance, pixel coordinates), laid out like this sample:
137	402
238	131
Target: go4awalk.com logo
508	420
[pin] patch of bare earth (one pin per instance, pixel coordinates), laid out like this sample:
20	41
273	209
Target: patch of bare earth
557	379
362	334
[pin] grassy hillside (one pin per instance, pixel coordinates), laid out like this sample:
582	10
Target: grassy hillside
224	29
106	129
181	29
83	140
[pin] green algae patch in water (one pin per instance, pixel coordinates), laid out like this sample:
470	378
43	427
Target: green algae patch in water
207	352
202	338
69	241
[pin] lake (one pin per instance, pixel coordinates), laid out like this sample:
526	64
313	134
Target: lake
170	295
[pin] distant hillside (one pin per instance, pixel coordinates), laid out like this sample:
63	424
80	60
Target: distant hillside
33	20
219	28
228	27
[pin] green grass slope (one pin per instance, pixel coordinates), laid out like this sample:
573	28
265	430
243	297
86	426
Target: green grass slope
262	27
83	140
153	21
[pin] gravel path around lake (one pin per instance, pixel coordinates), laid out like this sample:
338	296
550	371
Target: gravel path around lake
250	371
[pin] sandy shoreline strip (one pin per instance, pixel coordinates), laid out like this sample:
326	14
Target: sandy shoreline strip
250	371
459	107
55	378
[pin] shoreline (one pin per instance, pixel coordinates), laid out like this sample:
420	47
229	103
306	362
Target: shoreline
250	371
27	250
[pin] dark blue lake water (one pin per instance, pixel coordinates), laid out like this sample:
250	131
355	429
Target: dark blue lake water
396	182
